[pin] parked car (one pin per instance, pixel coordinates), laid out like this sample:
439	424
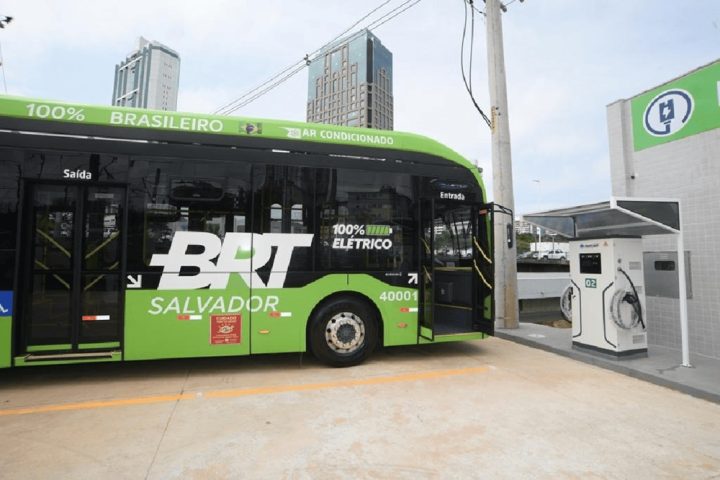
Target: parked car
528	256
554	255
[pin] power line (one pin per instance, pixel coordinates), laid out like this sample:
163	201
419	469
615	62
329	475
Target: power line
468	83
414	2
276	80
298	66
477	10
503	6
337	37
257	93
472	44
230	106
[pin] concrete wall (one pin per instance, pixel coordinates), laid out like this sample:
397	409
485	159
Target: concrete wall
688	169
537	285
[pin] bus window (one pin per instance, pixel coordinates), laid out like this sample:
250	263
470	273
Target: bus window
283	201
296	219
453	236
196	190
239	223
366	221
9	200
276	215
284	198
161	224
178	198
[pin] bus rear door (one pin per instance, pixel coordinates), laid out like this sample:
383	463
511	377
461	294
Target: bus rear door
71	269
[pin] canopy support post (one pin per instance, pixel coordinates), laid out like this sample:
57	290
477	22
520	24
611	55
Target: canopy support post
682	283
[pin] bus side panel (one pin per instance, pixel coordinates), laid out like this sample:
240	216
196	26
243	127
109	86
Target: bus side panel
283	327
187	323
180	323
398	306
5	341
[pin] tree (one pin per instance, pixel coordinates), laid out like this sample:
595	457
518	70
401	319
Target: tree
523	241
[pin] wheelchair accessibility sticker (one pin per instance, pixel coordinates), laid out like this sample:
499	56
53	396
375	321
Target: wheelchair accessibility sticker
6	303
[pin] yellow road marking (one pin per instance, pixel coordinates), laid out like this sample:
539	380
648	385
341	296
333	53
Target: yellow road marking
408	377
243	392
97	404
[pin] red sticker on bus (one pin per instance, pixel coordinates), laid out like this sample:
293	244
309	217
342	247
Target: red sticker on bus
225	329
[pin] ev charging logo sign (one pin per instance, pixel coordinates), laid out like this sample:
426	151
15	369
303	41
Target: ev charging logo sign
668	112
241	253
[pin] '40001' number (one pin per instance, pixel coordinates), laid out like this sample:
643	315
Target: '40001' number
399	295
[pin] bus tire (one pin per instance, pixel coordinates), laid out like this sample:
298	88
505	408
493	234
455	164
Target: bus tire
343	332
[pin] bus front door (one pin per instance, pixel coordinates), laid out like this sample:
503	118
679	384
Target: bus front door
72	264
452	300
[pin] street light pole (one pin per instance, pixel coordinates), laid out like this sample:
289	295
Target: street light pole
506	305
538	231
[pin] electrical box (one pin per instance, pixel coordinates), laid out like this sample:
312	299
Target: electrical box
608	298
661	275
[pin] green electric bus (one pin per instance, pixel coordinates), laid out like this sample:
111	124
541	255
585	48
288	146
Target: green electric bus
129	234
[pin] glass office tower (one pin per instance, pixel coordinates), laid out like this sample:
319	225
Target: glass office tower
351	84
149	77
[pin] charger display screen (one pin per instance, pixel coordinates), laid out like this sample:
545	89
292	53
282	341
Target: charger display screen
590	263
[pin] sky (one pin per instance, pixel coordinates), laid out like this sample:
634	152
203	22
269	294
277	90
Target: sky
565	61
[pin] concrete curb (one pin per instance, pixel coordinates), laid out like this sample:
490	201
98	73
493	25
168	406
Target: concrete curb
610	365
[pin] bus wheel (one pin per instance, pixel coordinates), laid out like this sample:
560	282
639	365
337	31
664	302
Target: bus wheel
343	332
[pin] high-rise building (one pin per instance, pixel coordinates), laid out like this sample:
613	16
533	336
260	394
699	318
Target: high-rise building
522	227
351	84
149	77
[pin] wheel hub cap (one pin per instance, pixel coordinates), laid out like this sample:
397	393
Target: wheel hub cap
345	332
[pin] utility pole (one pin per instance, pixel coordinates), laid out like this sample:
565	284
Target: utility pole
506	304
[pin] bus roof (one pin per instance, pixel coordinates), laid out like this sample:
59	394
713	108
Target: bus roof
123	117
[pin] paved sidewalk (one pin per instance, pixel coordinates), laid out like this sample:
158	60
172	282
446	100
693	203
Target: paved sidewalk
662	365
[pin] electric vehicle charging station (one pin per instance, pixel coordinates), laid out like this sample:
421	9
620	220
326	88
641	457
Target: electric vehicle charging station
608	303
606	270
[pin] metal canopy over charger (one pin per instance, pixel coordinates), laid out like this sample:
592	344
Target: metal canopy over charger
618	217
623	216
